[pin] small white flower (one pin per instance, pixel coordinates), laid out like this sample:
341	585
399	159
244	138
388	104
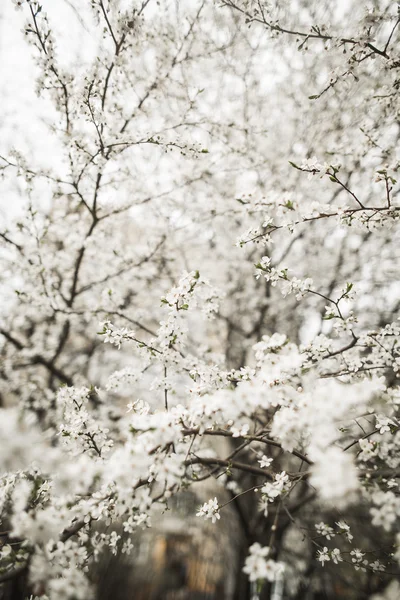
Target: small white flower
377	566
336	556
357	558
233	486
127	546
142	520
265	262
210	510
129	525
281	478
384	423
257	566
344	528
114	537
325	530
265	461
356	554
236	432
323	555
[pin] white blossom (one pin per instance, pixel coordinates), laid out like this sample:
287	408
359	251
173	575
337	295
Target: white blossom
210	510
258	566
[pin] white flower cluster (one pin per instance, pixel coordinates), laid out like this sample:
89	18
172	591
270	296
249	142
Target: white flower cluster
115	336
171	334
193	290
369	449
288	285
326	555
259	567
252	234
325	530
80	429
344	529
384	423
210	510
238	432
271	490
386	510
313	166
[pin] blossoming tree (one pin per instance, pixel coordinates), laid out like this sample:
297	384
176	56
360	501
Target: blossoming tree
222	198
